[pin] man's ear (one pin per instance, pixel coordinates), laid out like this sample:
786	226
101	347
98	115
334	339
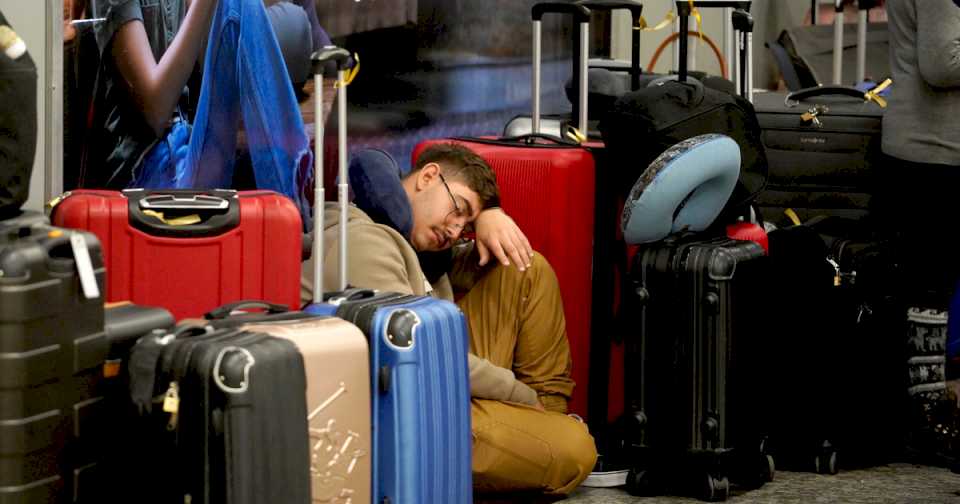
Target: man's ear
426	175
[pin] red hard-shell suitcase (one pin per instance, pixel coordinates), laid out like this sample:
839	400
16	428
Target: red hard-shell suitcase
547	185
192	251
548	189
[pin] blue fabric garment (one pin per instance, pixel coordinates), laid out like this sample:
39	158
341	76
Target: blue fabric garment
375	181
953	326
159	166
244	77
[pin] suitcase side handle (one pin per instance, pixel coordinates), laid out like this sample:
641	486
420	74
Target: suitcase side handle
794	99
528	140
224	311
188	202
183	214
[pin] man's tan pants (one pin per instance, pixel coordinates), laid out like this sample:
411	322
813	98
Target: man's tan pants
516	322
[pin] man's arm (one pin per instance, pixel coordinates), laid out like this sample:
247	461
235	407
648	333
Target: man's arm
491	382
938	42
499	236
374	261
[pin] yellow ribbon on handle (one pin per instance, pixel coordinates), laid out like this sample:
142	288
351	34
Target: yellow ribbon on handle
352	73
670	18
667	21
695	12
874	94
186	220
576	135
792	216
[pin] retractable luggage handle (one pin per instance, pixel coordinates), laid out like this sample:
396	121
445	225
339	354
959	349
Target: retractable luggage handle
837	42
636	25
742	23
863	7
582	16
344	62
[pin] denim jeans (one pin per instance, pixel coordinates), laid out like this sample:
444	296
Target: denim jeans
244	77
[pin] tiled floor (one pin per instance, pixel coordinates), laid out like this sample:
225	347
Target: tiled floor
896	483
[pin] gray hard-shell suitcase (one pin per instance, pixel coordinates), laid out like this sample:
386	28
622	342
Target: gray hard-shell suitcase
52	350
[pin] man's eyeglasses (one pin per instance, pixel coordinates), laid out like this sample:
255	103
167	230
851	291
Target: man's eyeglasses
457	212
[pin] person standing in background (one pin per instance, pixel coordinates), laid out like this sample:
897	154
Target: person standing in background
921	135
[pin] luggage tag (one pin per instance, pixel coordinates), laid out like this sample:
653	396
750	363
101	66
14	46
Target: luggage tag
81	256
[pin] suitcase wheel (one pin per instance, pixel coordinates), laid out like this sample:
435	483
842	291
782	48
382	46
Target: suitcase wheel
715	490
768	469
826	463
640	483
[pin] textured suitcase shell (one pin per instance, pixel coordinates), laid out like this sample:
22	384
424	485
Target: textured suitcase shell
550	192
257	259
336	360
52	349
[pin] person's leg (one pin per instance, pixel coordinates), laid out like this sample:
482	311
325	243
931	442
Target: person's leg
915	204
516	321
518	448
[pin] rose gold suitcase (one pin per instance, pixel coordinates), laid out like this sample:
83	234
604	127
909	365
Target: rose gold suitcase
337	363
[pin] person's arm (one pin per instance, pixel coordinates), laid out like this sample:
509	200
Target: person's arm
499	236
492	382
374	261
938	42
156	86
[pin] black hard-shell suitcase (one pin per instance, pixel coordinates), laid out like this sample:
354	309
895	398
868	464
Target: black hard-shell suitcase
222	416
692	422
52	350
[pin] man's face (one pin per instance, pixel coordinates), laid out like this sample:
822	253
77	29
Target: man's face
442	207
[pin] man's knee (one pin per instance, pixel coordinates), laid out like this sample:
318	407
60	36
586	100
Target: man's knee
520	449
575	454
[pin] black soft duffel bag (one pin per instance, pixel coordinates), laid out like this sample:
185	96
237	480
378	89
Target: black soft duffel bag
644	123
18	124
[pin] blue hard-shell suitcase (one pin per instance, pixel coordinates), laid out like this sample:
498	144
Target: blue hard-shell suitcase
420	387
421	395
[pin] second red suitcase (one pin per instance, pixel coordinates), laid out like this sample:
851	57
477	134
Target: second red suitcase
192	251
547	186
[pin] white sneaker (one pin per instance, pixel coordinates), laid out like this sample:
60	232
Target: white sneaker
606	479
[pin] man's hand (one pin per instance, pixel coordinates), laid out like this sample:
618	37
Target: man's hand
498	234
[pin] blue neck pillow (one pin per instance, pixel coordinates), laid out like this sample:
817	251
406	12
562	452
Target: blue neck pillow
684	189
375	182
